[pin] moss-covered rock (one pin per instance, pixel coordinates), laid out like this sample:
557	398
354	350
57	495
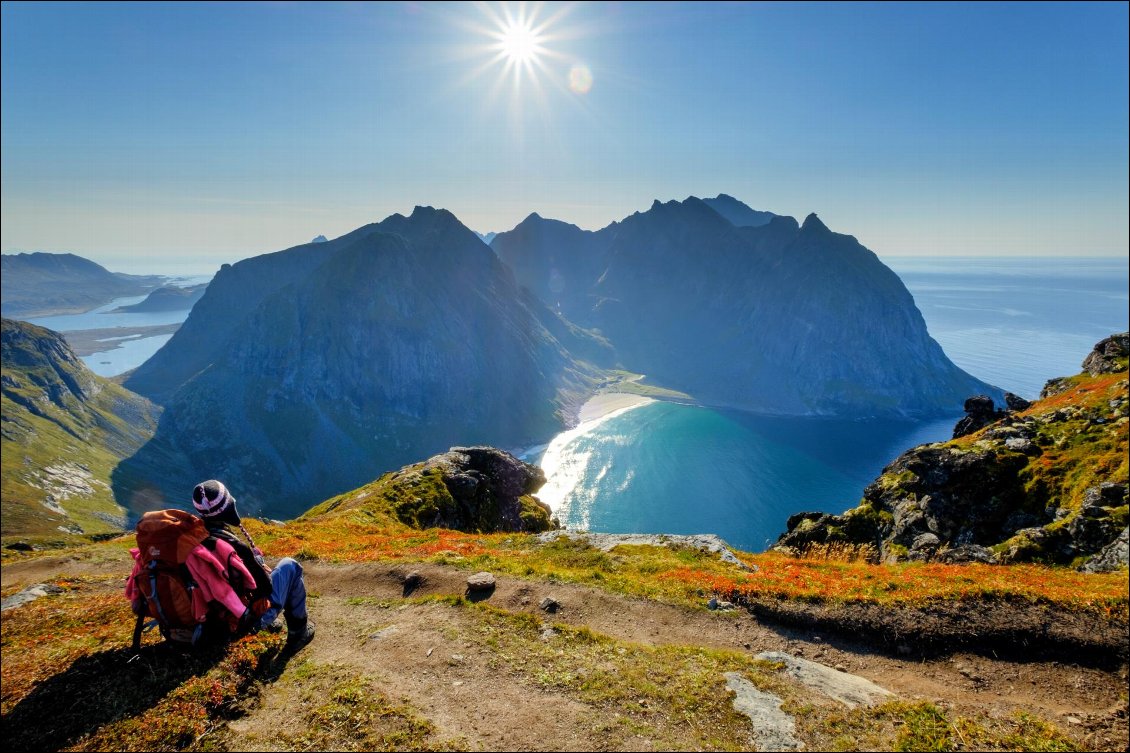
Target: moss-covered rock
474	489
1042	483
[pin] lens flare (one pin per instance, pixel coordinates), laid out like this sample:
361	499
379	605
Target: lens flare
580	79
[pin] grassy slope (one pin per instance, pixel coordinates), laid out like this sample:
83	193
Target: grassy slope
64	443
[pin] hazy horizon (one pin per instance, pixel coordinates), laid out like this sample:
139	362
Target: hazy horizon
155	135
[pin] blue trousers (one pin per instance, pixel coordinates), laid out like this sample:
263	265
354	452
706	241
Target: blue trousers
288	591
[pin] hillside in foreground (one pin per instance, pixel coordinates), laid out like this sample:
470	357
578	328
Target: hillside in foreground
574	641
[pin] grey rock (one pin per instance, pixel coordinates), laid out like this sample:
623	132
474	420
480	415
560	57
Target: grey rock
1104	358
850	690
1114	556
979	413
713	603
606	542
1015	402
966	553
773	729
480	582
925	541
549	604
1018	444
28	595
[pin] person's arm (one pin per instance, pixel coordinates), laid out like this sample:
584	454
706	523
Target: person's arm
208	572
132	591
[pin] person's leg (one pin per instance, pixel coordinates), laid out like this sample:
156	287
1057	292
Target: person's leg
289	592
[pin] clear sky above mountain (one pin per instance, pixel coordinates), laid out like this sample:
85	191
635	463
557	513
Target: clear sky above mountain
151	135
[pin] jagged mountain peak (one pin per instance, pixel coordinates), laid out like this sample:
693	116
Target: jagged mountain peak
813	224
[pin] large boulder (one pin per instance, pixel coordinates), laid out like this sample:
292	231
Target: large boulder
1109	356
979	413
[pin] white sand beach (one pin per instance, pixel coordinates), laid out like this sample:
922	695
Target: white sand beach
609	402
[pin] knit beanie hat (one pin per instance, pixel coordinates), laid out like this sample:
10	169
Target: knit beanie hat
212	500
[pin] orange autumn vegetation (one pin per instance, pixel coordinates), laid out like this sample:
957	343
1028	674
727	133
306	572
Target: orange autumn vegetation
684	574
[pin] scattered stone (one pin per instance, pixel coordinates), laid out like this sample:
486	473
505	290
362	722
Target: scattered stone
713	603
547	633
1018	444
550	604
850	690
413	580
457	658
383	632
773	729
606	542
20	546
480	582
28	595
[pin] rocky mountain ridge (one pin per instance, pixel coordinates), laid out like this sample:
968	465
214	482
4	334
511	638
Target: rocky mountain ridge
310	371
777	318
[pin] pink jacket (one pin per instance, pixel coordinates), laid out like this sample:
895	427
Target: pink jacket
210	571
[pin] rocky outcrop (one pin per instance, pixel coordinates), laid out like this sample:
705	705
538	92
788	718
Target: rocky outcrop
1040	482
1109	355
474	489
979	413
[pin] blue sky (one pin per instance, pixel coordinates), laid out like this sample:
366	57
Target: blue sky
151	137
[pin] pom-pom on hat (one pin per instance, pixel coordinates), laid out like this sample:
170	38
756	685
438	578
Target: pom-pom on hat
212	500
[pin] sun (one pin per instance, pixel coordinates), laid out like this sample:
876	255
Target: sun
520	43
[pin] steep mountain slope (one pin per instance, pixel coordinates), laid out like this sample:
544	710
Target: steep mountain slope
63	430
354	356
1047	483
776	318
40	284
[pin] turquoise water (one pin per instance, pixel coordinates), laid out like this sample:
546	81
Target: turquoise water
669	468
666	468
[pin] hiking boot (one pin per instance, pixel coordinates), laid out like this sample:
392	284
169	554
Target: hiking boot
274	626
299	632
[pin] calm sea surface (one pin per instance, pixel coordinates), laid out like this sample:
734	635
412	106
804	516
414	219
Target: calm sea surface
130	352
666	468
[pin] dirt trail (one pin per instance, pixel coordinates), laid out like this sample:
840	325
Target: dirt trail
425	655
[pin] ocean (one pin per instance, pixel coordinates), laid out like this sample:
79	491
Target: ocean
129	351
668	468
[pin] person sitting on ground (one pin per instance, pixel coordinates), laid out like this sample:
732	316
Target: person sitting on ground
284	584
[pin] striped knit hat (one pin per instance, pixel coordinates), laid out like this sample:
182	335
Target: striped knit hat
212	500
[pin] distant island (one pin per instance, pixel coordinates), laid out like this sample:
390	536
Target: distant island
42	284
